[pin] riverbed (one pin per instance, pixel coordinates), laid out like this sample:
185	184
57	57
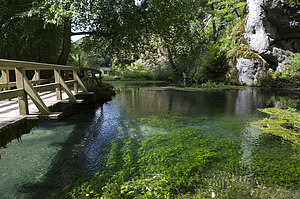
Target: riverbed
59	153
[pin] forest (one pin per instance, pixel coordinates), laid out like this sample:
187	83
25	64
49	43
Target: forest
186	43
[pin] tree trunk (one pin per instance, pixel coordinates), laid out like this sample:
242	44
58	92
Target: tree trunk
66	46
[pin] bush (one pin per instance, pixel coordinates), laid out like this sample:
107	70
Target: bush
212	66
136	75
210	84
289	78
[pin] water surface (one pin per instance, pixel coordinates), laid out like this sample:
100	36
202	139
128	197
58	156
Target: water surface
59	153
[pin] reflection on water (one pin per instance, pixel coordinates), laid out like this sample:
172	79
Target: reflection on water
58	153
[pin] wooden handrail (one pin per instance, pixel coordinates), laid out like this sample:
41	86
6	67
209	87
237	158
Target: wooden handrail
23	87
6	64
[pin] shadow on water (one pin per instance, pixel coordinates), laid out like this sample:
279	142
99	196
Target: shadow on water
69	160
83	153
23	126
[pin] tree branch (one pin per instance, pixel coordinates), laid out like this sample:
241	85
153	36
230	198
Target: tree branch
103	34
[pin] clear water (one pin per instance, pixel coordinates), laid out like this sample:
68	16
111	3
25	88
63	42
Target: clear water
59	153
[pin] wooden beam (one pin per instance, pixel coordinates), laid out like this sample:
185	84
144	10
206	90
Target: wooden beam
23	100
6	79
70	82
5	85
64	86
35	97
9	94
76	77
86	76
46	87
37	77
95	78
80	101
57	80
52	116
12	64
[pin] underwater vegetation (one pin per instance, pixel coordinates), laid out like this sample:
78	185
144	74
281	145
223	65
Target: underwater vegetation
281	123
162	166
184	161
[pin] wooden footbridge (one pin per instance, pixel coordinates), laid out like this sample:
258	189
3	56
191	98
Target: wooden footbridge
22	79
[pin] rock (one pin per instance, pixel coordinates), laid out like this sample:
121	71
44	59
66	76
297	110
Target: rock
249	71
272	31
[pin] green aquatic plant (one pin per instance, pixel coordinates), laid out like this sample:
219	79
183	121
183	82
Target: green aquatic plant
171	122
163	166
281	123
226	185
278	163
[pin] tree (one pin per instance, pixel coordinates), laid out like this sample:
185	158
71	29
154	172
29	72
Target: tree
118	21
25	38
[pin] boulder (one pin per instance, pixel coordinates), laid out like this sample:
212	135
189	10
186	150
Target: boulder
272	31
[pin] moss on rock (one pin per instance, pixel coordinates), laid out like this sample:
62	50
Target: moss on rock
281	123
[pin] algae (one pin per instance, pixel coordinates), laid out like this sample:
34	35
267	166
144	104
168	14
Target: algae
162	166
281	123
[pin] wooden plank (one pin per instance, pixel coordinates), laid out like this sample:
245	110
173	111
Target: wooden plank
87	93
23	100
36	78
11	64
96	79
46	87
5	85
52	116
5	78
57	80
9	94
76	77
65	86
35	97
70	82
13	84
80	101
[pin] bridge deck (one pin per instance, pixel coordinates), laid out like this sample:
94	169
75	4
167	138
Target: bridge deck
9	110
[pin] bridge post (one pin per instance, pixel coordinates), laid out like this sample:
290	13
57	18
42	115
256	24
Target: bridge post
78	81
57	80
37	77
75	77
23	100
5	78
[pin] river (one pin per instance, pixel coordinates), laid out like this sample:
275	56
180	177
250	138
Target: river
58	153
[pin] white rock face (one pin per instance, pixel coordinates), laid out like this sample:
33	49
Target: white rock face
273	32
255	32
249	71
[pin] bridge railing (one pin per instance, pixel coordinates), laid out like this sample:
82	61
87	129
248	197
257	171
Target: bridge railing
21	86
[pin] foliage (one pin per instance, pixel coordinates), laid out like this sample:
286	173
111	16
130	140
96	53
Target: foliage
294	66
212	66
25	38
136	75
288	78
210	84
281	123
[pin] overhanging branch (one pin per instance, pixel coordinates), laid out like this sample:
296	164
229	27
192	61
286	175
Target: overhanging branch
103	34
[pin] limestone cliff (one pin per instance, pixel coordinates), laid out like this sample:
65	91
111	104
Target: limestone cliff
272	34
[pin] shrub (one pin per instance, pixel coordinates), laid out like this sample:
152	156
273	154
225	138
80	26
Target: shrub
212	66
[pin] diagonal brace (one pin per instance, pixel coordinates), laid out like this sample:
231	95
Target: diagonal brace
65	86
76	77
35	97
